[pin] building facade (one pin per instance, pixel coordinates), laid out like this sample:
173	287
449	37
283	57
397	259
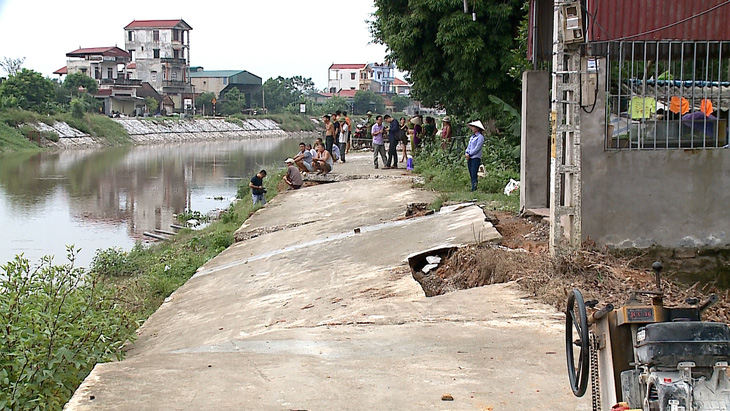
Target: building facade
219	82
109	67
344	77
160	50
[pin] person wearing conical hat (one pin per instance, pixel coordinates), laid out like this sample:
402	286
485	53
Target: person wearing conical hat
473	152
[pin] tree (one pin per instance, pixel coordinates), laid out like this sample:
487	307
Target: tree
281	92
152	104
335	103
11	65
453	61
400	102
75	80
30	89
205	99
367	100
233	102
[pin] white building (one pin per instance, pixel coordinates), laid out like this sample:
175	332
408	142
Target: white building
344	77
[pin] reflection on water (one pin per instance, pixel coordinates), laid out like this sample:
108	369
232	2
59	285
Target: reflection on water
107	198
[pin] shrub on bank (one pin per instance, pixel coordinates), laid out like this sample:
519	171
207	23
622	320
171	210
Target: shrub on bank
446	172
57	323
286	121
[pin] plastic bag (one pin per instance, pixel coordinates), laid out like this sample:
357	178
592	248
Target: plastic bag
511	186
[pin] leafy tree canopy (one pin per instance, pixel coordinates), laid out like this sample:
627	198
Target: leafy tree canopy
400	102
29	89
281	92
233	102
75	80
335	103
365	100
453	61
205	99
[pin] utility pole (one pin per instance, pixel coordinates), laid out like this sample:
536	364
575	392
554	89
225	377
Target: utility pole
263	99
565	161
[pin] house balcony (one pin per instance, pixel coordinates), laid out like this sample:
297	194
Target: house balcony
120	82
175	84
174	61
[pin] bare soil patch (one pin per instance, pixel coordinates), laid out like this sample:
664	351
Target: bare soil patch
523	257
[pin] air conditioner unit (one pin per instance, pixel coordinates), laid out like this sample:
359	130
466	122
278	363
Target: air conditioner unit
572	26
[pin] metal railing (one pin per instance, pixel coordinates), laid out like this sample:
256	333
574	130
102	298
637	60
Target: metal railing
666	94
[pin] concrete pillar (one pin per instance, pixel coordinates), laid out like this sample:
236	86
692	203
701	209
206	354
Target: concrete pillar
535	136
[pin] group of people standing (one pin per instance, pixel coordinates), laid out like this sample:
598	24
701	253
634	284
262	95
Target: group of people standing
321	156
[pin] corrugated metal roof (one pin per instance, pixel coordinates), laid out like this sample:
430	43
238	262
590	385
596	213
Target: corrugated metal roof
215	73
658	20
157	24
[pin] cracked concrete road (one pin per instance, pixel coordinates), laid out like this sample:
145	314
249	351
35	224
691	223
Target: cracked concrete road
317	317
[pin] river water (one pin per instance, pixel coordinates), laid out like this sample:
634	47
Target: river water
108	197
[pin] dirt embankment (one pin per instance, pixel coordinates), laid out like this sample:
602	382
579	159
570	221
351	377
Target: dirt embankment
523	257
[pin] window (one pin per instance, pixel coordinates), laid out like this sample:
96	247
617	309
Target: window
109	73
131	54
164	75
156	53
156	35
225	81
174	76
130	35
663	94
153	75
176	54
352	88
176	35
97	73
352	76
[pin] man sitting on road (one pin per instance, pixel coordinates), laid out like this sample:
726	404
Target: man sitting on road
293	178
323	161
258	192
303	159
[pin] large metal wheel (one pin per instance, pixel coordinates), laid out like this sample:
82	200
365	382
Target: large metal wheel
576	321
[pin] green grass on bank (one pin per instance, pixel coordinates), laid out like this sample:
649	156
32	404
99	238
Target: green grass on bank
14	127
12	140
60	320
447	174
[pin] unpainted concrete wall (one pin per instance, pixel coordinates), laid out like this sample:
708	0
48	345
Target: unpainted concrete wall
535	144
670	198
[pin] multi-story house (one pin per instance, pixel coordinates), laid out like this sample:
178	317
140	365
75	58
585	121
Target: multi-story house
109	67
400	87
377	77
160	50
344	77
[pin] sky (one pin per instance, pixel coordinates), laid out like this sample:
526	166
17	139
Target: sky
269	38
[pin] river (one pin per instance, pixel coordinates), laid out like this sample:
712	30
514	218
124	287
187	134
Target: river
102	198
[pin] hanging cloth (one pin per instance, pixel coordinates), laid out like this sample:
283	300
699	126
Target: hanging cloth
706	107
678	106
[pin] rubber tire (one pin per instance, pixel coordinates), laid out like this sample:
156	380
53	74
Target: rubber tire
578	376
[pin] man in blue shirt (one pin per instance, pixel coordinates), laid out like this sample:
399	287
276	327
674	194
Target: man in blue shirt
393	138
473	152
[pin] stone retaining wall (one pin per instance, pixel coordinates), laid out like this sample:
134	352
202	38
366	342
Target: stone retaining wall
163	131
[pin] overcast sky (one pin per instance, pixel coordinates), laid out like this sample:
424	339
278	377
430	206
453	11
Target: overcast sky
269	38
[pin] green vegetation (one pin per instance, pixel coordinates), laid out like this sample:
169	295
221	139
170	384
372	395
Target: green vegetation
58	321
232	102
283	94
365	100
445	171
453	61
12	140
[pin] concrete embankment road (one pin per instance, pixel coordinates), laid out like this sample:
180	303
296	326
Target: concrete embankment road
310	315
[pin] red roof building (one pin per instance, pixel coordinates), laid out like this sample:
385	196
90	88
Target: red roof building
158	24
62	71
